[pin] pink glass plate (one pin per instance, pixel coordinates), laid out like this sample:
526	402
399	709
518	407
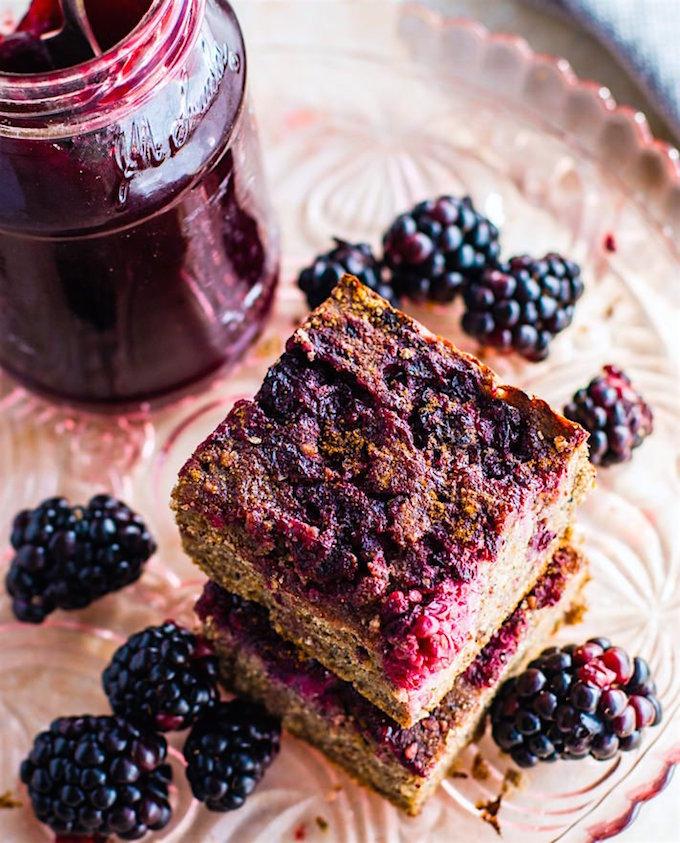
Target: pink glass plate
356	126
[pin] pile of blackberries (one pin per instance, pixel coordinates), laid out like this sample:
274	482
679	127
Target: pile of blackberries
107	775
445	247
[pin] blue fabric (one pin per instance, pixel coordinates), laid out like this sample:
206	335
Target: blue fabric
644	35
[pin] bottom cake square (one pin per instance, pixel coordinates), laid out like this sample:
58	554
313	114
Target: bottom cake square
403	764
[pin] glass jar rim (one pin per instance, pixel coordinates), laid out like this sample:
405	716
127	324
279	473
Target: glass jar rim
39	100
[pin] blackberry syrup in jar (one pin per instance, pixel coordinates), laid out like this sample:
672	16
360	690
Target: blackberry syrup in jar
138	253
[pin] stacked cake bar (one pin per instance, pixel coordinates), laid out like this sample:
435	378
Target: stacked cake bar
404	764
385	528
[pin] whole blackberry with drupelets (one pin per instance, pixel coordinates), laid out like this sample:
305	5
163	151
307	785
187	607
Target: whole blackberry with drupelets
435	248
67	557
575	701
98	776
616	416
318	280
523	305
228	752
163	677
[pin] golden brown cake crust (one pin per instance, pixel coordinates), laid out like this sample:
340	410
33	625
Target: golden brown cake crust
385	496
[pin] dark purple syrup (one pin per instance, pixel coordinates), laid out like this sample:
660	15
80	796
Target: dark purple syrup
23	51
137	258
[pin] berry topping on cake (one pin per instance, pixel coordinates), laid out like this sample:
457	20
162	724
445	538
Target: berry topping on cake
163	677
435	247
98	776
615	414
317	281
424	626
522	305
67	557
228	752
575	701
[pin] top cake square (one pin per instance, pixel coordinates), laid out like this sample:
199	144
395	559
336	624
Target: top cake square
384	497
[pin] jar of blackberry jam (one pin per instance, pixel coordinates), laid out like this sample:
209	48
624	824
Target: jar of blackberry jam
138	253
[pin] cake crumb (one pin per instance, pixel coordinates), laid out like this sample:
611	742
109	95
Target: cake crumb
332	794
322	822
560	443
9	800
227	458
411	751
305	344
488	811
512	779
480	768
458	774
610	310
269	347
575	614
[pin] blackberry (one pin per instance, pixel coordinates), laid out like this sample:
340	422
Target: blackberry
98	776
318	280
163	677
67	557
434	248
228	751
575	701
523	304
616	416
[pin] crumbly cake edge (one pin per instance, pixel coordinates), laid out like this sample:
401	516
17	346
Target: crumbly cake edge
243	672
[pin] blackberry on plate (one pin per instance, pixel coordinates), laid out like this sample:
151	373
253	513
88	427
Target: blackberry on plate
434	248
616	416
98	776
67	557
575	701
228	752
318	280
163	677
523	304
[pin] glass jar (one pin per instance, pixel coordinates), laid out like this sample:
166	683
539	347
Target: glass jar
137	248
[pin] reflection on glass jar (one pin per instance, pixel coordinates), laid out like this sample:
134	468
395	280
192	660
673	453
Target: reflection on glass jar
137	248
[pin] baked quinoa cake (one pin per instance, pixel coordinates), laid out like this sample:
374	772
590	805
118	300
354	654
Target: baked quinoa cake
384	497
405	765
